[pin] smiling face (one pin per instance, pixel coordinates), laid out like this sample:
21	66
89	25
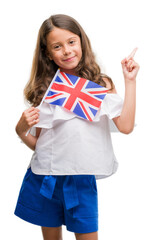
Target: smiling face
64	48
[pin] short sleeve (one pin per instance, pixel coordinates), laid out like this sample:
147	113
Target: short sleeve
45	116
112	105
49	114
33	131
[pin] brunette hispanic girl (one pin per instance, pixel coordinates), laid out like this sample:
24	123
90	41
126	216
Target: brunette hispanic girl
70	153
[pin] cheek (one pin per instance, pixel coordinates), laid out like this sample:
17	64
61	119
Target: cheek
79	52
56	57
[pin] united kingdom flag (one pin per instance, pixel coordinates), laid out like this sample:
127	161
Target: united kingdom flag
78	95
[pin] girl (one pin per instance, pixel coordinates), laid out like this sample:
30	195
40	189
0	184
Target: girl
70	153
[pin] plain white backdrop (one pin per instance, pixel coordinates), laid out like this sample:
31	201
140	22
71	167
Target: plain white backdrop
115	28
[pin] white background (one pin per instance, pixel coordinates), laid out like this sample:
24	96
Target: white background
115	28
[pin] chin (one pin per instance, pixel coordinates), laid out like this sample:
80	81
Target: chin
68	68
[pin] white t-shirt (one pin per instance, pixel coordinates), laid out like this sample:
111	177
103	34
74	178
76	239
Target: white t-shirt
70	145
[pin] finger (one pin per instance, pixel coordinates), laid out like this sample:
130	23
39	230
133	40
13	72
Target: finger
33	118
31	109
129	63
130	68
132	54
35	115
132	65
123	61
33	122
31	112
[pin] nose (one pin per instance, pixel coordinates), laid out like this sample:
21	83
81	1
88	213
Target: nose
66	50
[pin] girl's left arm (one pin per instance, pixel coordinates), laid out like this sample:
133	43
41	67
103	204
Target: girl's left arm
125	122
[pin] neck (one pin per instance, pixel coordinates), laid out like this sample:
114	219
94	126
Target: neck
68	71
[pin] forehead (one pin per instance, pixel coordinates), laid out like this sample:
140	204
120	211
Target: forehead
60	35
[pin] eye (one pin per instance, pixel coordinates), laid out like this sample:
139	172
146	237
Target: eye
56	47
72	42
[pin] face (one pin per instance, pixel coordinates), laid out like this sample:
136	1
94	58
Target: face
64	48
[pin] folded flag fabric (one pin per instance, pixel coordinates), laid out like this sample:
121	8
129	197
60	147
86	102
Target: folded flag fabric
78	95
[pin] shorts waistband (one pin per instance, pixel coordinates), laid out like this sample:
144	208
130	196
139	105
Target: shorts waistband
69	190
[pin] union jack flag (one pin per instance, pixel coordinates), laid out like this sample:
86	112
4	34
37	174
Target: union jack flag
78	95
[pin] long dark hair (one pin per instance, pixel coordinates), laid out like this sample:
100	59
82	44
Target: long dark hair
43	69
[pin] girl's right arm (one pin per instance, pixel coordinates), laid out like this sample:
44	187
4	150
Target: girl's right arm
29	118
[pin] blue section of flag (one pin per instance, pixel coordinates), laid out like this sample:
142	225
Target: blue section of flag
72	78
92	85
101	96
77	110
51	93
59	101
58	79
93	111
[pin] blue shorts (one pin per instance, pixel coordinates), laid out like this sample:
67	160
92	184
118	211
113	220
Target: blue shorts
52	201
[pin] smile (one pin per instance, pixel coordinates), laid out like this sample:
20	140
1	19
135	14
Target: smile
69	59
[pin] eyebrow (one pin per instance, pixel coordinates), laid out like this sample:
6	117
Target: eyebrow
59	42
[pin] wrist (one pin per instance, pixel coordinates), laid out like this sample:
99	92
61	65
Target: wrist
130	81
20	132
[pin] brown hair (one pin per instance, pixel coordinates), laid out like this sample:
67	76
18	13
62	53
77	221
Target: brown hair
43	69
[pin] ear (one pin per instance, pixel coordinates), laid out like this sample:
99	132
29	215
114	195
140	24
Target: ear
49	55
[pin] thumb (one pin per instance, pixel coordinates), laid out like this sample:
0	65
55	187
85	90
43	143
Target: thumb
124	61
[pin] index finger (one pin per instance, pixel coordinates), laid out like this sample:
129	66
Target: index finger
132	54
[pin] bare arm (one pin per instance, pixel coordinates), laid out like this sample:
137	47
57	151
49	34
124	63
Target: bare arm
28	119
125	122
